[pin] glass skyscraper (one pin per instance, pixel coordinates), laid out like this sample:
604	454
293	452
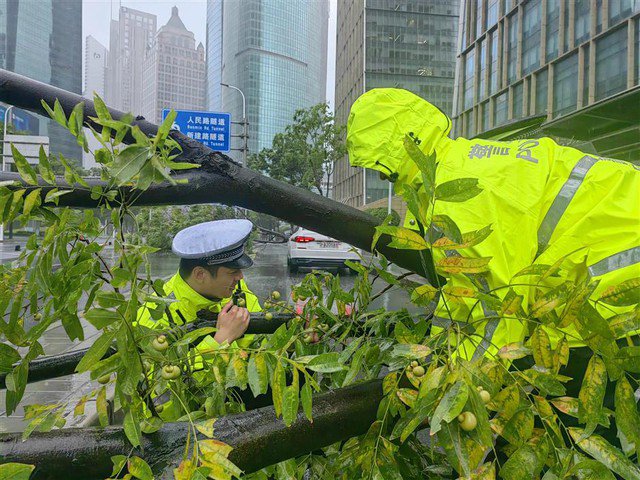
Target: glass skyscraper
408	44
42	39
272	50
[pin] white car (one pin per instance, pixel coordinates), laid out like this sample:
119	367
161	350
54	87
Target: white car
310	249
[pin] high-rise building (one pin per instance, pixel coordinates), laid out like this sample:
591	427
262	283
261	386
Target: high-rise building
173	71
275	52
95	67
390	43
42	39
214	55
131	36
575	64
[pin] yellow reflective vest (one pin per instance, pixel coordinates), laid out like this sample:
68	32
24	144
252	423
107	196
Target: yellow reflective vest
188	303
542	200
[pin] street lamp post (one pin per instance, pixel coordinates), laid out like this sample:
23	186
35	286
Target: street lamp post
4	156
245	135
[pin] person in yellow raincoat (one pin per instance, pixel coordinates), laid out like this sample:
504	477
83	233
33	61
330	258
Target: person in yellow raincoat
543	202
210	275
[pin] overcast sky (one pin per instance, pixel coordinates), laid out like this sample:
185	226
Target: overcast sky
96	15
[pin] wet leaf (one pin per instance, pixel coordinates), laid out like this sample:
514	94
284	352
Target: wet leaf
278	384
448	227
403	238
306	399
469	239
511	303
128	163
139	468
25	170
459	190
629	359
16	471
258	374
592	393
31	201
627	417
131	427
519	428
456	265
513	351
326	363
411	351
625	294
407	396
450	406
426	163
521	465
625	323
291	401
423	295
102	407
541	346
604	452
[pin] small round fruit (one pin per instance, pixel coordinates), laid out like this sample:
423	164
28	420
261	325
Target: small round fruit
160	343
275	295
169	372
485	396
147	365
104	379
308	338
418	371
37	316
414	364
268	316
468	421
324	327
267	304
242	302
479	388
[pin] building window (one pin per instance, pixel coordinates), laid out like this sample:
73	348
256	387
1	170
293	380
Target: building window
565	85
582	21
585	81
541	91
611	63
517	101
637	76
483	68
469	74
469	128
619	10
492	13
512	59
553	27
485	116
500	111
479	25
531	36
494	74
598	16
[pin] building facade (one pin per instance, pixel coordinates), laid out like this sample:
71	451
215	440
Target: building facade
42	39
174	71
383	43
275	52
214	55
95	67
131	37
574	63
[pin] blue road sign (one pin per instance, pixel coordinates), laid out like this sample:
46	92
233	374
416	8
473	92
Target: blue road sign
212	129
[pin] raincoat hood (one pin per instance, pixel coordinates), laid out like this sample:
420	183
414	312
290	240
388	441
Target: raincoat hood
378	123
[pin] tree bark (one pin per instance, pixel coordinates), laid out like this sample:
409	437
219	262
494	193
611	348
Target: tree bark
219	180
258	438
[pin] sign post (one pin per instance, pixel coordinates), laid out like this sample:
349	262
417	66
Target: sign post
213	129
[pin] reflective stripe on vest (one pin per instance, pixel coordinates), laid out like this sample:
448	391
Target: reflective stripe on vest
562	200
615	261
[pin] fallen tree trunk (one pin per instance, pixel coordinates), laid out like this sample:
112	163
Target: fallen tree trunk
219	180
258	438
55	366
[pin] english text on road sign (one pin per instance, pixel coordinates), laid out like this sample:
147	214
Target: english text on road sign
212	129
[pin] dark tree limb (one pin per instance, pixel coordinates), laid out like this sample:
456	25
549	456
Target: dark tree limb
258	438
219	180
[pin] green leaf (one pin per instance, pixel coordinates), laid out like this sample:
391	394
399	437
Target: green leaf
622	295
513	351
455	265
426	163
448	227
128	163
16	471
31	201
450	406
132	430
605	453
326	363
629	359
418	208
54	194
423	295
96	351
25	170
8	356
139	468
547	384
420	412
307	400
625	323
541	346
403	238
58	114
101	108
151	424
592	393
521	465
469	239
627	417
519	427
102	407
459	190
101	317
411	351
164	129
258	374
278	385
44	168
291	401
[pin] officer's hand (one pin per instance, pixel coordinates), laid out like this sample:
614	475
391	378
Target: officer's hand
233	321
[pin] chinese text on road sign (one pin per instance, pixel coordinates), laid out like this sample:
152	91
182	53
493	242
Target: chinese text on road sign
212	129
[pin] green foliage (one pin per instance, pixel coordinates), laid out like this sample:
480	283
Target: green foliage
381	214
305	153
513	403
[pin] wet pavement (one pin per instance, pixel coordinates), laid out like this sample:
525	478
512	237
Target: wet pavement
268	273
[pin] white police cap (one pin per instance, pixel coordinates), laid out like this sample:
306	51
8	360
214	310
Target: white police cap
218	242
